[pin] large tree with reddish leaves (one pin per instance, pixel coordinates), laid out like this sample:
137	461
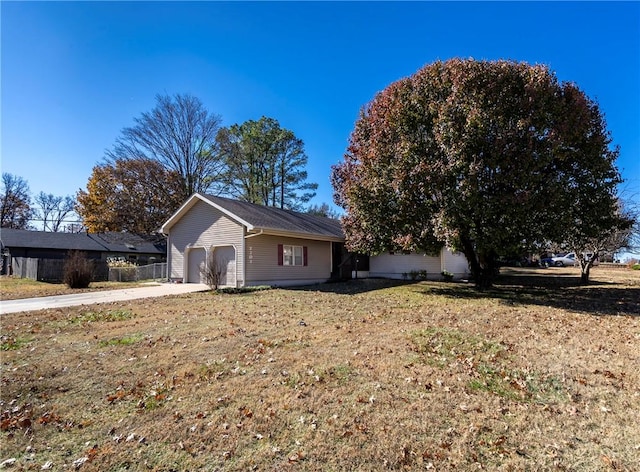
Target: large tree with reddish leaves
484	157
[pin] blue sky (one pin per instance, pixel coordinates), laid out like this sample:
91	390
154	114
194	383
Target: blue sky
74	73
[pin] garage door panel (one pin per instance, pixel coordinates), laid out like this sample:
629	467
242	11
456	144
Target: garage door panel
196	264
226	260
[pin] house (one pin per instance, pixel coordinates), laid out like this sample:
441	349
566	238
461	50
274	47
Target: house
252	244
257	245
403	266
19	245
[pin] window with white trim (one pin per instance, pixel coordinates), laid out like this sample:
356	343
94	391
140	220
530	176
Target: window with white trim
292	255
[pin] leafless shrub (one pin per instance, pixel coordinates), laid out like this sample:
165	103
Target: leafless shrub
212	272
78	270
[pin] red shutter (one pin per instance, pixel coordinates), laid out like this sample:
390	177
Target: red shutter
280	255
304	255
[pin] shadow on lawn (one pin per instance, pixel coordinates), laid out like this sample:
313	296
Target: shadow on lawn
352	287
598	298
539	289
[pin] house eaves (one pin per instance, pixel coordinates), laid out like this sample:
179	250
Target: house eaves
258	219
294	234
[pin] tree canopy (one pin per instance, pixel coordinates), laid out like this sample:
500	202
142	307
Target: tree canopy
15	202
180	135
598	231
178	148
323	209
486	157
265	164
134	195
54	210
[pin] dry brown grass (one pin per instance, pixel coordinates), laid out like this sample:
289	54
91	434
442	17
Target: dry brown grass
12	288
538	374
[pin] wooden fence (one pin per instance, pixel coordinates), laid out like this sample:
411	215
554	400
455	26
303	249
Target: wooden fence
51	270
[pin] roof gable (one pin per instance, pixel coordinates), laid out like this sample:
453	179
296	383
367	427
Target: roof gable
270	220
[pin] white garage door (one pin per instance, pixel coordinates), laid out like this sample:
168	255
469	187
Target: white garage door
196	264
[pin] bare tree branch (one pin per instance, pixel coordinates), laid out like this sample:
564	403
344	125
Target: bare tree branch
15	202
179	134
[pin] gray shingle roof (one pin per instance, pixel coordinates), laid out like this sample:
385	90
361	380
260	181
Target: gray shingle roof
271	218
102	242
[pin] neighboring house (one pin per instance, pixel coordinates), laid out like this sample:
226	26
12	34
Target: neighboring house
21	244
258	245
251	244
407	266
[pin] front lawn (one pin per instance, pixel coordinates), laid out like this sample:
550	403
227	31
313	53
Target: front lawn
537	374
12	288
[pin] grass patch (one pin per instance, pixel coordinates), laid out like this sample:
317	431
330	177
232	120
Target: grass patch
102	316
487	363
518	385
145	397
13	288
124	341
340	373
215	370
441	346
8	343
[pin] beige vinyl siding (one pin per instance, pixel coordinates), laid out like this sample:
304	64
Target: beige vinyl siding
203	226
262	261
393	266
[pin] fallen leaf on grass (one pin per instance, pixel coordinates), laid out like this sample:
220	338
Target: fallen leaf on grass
80	462
296	456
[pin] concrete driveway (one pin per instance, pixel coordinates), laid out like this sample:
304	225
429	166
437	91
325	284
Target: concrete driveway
106	296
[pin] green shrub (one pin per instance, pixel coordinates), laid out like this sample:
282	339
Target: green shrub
78	270
447	276
418	274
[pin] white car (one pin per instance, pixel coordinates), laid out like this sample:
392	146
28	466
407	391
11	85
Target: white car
566	260
570	259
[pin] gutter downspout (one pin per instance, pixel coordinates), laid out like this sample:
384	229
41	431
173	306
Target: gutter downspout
254	235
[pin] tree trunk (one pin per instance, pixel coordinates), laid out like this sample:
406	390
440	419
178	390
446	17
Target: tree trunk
484	280
585	268
585	265
482	266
